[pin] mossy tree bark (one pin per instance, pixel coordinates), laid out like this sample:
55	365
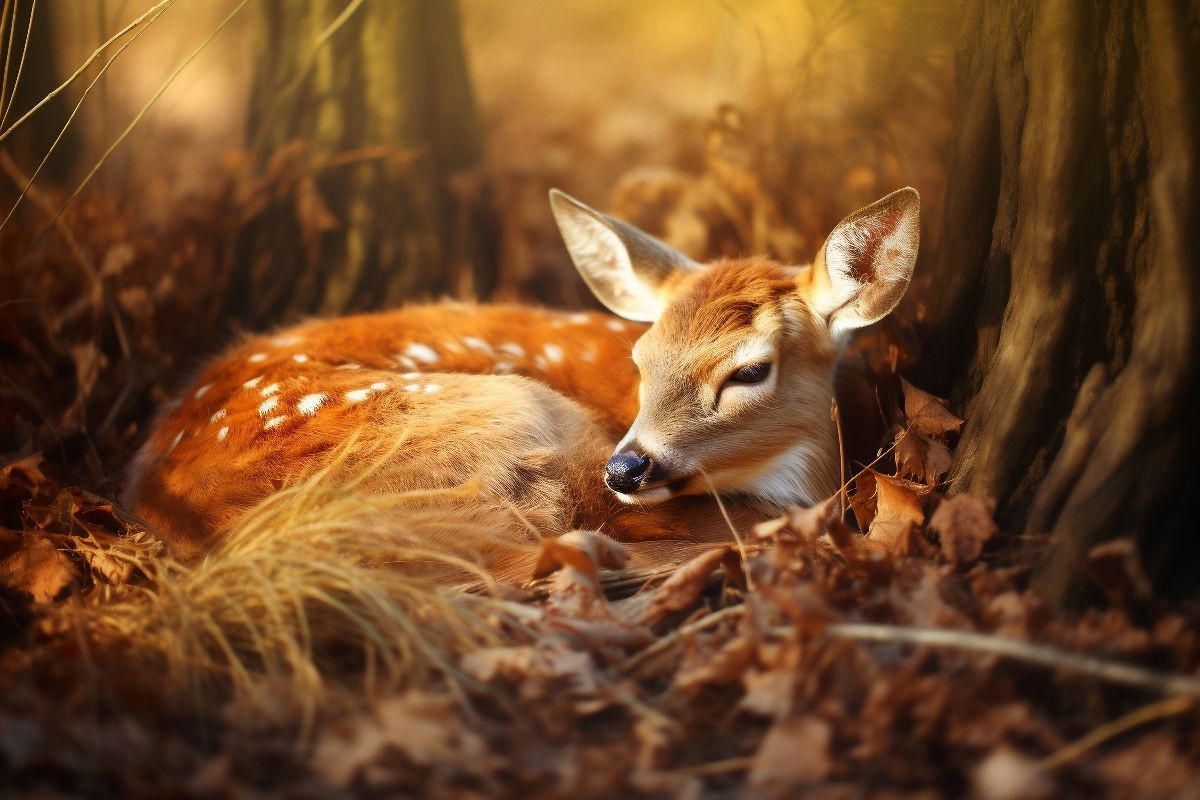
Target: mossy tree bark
364	123
1067	326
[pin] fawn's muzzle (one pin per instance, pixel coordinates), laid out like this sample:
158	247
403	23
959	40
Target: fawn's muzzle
626	471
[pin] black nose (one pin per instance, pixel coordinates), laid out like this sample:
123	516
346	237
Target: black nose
625	471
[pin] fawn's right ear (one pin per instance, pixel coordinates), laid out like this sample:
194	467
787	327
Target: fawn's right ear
629	271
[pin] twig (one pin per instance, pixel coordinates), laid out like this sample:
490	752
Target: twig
836	415
20	64
732	528
708	621
28	187
1140	716
142	113
735	764
82	68
1098	668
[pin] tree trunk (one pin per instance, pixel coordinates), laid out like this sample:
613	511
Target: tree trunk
1068	298
372	152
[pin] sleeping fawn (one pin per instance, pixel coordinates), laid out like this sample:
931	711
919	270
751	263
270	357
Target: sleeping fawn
553	420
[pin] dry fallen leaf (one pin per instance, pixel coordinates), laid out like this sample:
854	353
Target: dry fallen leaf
964	523
794	752
586	551
928	415
684	585
895	525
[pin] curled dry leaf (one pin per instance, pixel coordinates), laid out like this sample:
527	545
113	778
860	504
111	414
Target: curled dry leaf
38	568
920	458
1117	567
928	415
422	728
586	551
893	510
964	523
794	751
684	585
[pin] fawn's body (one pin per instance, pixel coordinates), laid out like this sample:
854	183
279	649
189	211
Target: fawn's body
535	410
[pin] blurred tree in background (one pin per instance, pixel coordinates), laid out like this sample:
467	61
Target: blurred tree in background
365	111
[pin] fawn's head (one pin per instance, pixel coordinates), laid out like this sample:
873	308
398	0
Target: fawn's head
737	368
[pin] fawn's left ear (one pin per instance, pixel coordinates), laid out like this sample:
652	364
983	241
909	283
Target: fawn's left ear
866	263
630	272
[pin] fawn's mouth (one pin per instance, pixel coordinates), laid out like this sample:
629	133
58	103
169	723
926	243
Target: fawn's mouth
652	495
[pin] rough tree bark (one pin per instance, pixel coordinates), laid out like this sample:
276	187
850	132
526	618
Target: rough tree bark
1066	326
363	115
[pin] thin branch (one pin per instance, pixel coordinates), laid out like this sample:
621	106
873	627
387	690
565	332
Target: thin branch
668	641
82	68
1043	655
63	131
20	64
1170	707
142	113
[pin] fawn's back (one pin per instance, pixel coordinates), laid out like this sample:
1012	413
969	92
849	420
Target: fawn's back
554	420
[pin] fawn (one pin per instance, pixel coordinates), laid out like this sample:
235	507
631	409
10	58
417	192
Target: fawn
544	414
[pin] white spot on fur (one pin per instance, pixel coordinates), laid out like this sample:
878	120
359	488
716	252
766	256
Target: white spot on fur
219	415
358	395
309	404
410	375
267	405
203	390
615	325
541	363
413	387
452	347
433	387
588	355
405	361
478	344
421	352
273	422
580	318
349	366
554	353
257	358
379	386
513	349
250	384
221	434
286	341
270	390
299	358
504	368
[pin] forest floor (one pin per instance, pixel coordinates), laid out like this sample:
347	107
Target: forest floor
906	662
808	659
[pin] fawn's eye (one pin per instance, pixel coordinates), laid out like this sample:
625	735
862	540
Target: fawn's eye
750	374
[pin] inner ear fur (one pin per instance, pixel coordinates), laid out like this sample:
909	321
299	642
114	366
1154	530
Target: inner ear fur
629	271
865	265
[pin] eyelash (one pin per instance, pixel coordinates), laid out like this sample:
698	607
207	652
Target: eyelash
750	374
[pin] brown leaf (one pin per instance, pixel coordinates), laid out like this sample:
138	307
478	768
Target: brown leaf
540	670
794	752
39	568
420	727
586	551
312	213
920	458
1008	775
1117	567
898	516
964	524
684	585
928	415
